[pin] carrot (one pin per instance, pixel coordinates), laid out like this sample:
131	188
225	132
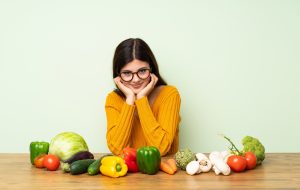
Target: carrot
165	167
172	163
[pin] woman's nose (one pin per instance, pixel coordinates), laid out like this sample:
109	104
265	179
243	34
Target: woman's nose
135	78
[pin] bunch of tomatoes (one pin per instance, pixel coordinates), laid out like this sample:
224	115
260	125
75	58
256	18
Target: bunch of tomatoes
48	161
239	163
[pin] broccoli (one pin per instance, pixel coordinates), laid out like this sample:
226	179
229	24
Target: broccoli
183	157
252	144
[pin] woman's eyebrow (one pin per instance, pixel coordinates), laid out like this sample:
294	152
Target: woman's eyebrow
126	71
143	68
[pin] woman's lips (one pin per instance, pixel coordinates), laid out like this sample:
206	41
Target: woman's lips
136	86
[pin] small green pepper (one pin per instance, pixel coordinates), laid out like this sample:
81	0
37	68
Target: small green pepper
148	159
38	148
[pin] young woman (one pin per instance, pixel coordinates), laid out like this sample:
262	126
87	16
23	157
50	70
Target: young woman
143	110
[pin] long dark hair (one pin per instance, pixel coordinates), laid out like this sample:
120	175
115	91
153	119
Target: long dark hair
130	49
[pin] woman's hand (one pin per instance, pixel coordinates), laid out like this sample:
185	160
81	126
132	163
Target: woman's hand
130	96
147	90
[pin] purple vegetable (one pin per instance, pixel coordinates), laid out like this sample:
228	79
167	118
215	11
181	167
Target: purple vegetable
82	155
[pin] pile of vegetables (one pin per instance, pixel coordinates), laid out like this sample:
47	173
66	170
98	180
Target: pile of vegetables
69	151
253	154
196	163
40	158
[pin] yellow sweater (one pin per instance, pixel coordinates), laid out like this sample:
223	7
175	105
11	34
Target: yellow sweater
142	125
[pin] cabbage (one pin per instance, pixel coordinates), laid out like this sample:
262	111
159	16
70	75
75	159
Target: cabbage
65	145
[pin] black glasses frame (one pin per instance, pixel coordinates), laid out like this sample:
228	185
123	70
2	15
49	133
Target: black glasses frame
137	73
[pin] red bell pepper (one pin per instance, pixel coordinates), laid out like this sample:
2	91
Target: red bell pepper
130	159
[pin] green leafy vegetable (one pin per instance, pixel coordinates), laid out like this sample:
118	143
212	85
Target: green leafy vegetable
254	145
183	157
65	145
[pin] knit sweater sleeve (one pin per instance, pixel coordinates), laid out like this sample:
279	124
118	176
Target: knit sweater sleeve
119	116
160	129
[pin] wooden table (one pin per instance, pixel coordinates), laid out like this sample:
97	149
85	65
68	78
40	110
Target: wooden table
279	171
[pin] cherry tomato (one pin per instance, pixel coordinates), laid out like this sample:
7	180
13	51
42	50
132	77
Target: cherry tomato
51	162
237	163
251	160
38	161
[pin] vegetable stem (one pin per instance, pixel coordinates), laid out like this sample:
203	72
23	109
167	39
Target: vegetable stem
232	145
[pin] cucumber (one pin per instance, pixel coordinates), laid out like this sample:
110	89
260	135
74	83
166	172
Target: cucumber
94	168
80	166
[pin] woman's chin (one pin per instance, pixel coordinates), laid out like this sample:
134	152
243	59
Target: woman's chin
137	90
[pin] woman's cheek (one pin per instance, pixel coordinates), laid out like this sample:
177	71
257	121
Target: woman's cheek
127	84
145	84
148	81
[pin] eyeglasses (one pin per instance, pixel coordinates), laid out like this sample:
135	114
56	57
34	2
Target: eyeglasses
142	73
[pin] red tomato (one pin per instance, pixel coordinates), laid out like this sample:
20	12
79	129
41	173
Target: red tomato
237	163
51	162
251	160
38	161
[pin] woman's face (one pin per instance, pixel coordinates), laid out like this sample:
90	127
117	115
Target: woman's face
135	68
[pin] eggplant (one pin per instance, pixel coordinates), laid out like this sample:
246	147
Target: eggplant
82	155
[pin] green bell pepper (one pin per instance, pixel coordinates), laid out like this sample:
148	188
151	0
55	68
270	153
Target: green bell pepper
38	148
148	159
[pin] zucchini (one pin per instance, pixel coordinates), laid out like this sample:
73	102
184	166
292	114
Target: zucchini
94	168
80	166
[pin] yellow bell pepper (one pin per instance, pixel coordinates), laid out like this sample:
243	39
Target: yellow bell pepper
113	166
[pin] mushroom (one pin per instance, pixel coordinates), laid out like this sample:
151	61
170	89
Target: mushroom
219	165
193	168
204	162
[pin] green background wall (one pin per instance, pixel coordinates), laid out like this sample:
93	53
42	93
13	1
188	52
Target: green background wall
235	63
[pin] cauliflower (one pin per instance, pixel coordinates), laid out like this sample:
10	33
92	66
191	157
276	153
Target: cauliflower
183	157
252	144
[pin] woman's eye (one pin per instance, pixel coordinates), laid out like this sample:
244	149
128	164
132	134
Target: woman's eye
142	70
126	73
